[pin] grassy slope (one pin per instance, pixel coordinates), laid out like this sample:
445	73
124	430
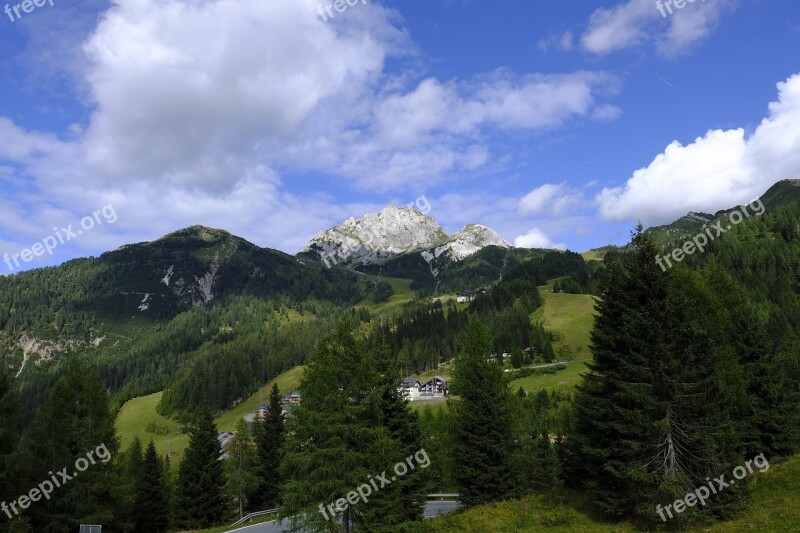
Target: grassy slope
775	506
136	414
592	255
402	295
570	317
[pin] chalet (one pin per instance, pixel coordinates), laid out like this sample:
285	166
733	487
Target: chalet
410	389
465	296
293	398
435	388
261	411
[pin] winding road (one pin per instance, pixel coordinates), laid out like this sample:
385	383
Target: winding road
432	509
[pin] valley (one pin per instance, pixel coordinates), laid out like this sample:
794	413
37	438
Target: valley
193	333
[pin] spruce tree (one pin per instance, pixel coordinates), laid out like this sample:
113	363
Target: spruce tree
75	421
777	405
516	357
484	441
10	467
399	437
269	438
329	437
241	467
654	415
129	470
200	500
151	503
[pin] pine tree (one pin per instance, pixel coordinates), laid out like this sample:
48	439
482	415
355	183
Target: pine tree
516	357
654	415
779	398
269	438
329	437
536	464
547	352
241	467
10	467
129	470
484	442
75	421
151	503
200	500
399	437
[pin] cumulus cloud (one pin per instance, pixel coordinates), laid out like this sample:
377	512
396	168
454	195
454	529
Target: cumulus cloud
536	238
191	93
201	111
636	22
549	198
716	171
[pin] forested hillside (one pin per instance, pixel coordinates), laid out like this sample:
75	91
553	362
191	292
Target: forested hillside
142	314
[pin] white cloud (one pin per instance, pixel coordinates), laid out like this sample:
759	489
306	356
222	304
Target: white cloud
538	199
563	41
536	238
716	171
198	111
636	22
549	198
191	93
606	113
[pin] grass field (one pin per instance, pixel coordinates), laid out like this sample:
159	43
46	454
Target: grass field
137	414
570	317
593	255
563	380
402	295
436	404
775	507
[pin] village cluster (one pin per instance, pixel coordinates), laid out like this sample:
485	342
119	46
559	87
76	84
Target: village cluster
288	401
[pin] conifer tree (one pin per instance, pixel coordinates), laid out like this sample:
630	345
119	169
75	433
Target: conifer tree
200	500
241	467
151	503
10	467
329	437
269	438
129	470
654	415
484	441
399	437
777	405
75	421
516	357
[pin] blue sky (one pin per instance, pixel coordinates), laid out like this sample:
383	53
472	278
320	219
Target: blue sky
556	124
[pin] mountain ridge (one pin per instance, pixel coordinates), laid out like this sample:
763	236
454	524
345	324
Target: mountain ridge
395	231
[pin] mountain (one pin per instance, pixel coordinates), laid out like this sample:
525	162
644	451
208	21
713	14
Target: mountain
139	311
470	239
782	193
195	265
395	231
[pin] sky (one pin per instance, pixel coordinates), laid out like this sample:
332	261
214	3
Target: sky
557	124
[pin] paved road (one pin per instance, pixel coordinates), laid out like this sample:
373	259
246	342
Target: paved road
431	509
